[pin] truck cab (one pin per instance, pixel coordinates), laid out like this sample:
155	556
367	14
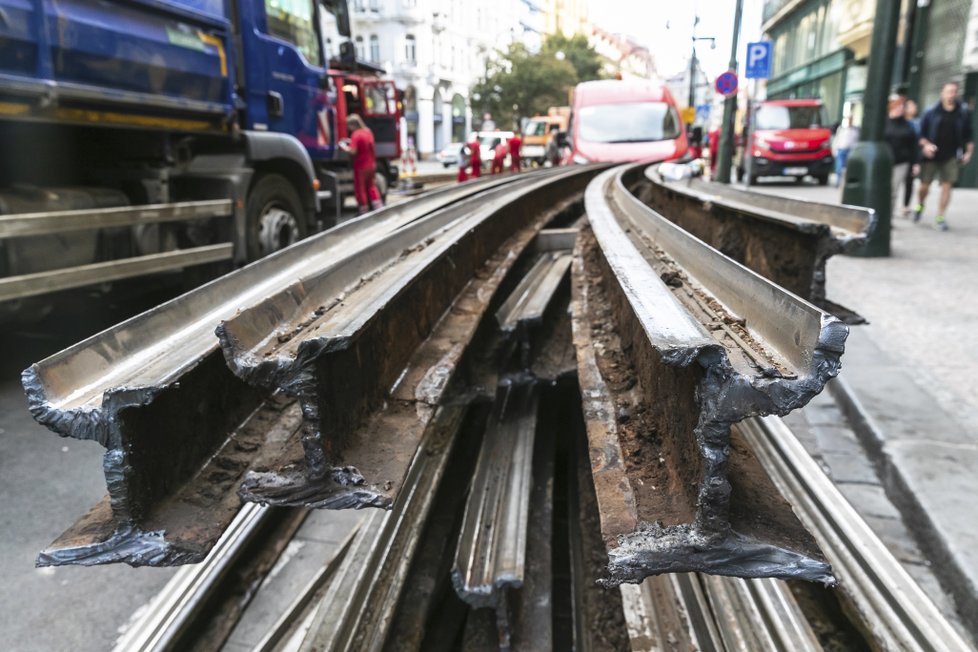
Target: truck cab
791	138
155	136
299	86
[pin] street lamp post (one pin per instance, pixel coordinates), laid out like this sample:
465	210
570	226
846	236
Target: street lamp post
870	166
693	61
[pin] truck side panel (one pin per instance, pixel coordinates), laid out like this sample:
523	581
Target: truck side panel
89	54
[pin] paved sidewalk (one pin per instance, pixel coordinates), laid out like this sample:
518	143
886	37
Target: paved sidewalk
909	381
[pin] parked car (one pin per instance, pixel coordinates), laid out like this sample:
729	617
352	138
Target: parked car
617	121
450	154
791	139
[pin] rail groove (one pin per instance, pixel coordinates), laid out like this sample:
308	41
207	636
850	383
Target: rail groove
342	354
526	429
179	428
787	241
710	343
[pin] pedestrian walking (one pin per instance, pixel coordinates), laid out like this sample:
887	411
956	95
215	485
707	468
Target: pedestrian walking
910	113
902	139
514	152
846	136
361	147
945	144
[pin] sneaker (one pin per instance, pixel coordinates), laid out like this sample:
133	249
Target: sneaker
917	212
942	223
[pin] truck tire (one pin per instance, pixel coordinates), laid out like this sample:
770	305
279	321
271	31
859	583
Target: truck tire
275	216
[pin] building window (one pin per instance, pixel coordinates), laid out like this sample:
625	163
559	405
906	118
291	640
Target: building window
374	48
359	47
410	49
357	5
375	5
410	4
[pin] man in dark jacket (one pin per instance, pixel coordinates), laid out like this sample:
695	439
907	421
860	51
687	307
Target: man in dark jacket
902	138
945	144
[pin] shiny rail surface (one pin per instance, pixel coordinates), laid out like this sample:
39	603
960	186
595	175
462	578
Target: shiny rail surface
785	240
179	428
891	608
520	481
339	341
709	344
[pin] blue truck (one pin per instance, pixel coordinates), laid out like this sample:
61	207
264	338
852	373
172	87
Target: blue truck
148	136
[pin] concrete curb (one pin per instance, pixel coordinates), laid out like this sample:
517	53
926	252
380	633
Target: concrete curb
921	501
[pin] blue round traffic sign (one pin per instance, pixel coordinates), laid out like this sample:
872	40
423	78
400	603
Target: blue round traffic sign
726	83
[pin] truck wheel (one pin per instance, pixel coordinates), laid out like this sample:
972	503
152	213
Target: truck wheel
275	216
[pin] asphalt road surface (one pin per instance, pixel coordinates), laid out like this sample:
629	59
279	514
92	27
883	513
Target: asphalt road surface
46	483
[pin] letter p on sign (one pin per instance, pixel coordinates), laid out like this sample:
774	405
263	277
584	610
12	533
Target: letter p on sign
758	60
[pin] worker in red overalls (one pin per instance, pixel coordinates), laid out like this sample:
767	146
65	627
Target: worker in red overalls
498	157
361	147
475	158
514	152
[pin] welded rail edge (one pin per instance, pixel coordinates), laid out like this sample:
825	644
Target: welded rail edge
712	343
784	239
890	607
138	377
339	341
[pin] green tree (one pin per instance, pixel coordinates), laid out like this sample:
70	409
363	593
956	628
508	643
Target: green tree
575	49
519	83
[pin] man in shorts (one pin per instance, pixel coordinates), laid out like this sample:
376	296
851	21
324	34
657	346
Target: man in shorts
946	144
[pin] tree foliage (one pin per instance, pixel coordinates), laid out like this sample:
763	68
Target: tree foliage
519	83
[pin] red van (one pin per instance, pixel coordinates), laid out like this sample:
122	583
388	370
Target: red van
792	138
618	121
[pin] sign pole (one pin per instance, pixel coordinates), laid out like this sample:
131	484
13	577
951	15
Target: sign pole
749	143
729	108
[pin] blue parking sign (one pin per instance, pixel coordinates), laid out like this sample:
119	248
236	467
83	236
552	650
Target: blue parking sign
758	60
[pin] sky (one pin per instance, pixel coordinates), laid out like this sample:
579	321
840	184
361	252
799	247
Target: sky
666	28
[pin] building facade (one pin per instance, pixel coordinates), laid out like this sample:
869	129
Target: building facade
622	54
436	51
822	47
809	60
568	17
